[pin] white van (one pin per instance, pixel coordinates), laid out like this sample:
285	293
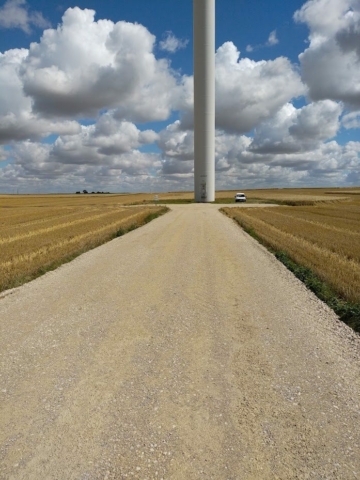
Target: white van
240	197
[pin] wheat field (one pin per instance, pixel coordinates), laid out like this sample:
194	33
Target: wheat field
324	238
302	196
38	233
287	196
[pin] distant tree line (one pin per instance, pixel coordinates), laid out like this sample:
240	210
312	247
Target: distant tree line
85	191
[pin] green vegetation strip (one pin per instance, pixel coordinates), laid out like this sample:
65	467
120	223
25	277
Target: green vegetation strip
348	312
21	280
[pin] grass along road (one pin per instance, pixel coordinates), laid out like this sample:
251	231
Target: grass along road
182	350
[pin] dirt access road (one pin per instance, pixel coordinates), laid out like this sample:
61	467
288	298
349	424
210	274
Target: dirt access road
182	350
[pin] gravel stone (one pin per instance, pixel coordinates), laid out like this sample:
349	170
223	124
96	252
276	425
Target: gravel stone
182	350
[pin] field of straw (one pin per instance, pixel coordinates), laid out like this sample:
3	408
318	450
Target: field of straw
38	233
287	196
302	196
324	237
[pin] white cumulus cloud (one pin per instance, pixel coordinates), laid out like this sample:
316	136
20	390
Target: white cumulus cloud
248	92
108	74
101	142
16	14
331	63
351	120
171	43
176	142
84	66
99	154
296	130
17	120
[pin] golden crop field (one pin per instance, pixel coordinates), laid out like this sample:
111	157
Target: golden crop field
39	232
324	237
291	196
298	196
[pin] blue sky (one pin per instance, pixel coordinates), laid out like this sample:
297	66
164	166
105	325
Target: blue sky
104	101
240	21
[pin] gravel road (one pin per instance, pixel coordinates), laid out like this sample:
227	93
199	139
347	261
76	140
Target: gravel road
182	350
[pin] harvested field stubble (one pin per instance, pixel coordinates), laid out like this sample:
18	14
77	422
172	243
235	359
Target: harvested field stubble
36	237
301	196
324	238
283	196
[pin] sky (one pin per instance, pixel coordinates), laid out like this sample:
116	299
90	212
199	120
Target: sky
99	95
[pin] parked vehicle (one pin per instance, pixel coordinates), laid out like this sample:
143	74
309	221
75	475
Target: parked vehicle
240	197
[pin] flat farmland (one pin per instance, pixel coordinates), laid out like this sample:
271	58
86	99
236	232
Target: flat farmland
324	238
287	196
38	233
303	196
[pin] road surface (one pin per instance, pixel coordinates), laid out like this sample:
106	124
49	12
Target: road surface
182	350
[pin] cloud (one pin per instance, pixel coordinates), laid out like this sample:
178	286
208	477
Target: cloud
108	73
172	44
298	130
293	146
178	169
177	146
324	17
104	143
16	14
84	66
22	127
176	142
272	40
351	120
248	92
42	167
101	143
12	99
327	164
17	121
79	69
99	154
348	37
331	62
3	154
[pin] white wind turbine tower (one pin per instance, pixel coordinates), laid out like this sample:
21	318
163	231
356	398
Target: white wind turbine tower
204	100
